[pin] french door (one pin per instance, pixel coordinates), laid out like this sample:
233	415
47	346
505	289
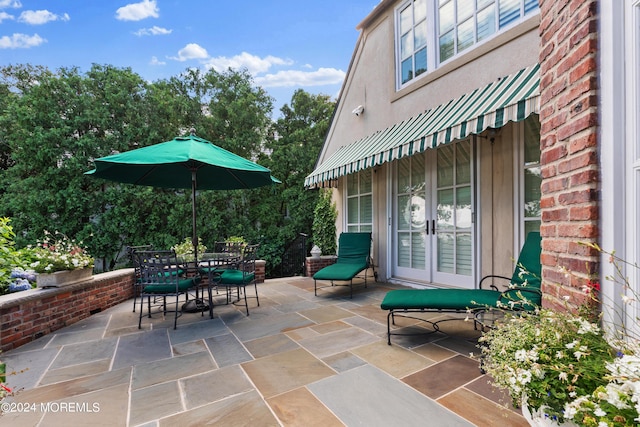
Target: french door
432	216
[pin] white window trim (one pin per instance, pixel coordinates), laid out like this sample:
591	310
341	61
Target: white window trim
619	138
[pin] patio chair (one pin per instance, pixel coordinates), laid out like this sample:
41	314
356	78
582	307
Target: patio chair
136	269
160	278
521	293
353	257
241	276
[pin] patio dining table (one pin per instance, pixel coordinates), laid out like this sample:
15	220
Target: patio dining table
212	264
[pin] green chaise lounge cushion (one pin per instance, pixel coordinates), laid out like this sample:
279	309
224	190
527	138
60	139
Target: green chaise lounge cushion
340	271
440	299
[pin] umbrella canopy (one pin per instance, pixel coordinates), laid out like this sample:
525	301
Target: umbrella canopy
183	162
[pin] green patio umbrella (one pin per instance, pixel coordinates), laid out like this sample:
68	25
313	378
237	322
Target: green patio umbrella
183	162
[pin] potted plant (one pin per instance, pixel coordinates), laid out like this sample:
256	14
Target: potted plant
184	249
60	261
563	369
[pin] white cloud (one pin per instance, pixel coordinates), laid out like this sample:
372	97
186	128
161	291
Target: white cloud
5	15
254	64
21	41
39	17
289	78
10	3
156	61
138	11
191	51
153	31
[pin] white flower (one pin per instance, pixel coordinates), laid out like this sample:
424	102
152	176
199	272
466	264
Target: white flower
572	344
563	376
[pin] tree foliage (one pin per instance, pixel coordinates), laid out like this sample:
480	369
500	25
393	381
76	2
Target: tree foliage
54	123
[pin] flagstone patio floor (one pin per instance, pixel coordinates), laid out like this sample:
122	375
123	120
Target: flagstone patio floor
297	360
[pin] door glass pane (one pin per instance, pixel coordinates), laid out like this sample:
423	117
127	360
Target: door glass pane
445	220
404	206
418	212
445	165
463	208
445	253
418	251
404	179
417	173
465	35
483	3
486	22
463	254
463	162
404	249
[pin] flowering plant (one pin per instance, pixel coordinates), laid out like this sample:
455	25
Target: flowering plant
184	249
564	366
57	252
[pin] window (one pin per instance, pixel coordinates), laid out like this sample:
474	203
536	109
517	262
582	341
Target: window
430	32
532	178
359	201
412	22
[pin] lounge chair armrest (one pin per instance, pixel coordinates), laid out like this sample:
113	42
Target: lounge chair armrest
492	286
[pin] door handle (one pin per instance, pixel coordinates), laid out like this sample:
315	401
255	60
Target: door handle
433	226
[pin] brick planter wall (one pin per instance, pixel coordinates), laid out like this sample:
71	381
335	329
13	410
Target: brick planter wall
312	265
27	315
569	146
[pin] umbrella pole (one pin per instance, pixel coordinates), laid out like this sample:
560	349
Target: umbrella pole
194	237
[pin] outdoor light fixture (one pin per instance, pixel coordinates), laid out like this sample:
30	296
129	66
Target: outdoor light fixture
358	110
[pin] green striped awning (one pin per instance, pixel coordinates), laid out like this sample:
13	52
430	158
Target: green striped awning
510	98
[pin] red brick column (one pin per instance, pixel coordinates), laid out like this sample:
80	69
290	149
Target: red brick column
569	146
312	265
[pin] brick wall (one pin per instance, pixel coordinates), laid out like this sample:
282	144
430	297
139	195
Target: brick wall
27	315
569	146
312	265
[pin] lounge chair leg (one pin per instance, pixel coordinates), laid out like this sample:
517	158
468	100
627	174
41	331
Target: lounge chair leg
315	288
389	316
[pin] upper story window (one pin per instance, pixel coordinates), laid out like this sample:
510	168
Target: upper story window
430	32
412	21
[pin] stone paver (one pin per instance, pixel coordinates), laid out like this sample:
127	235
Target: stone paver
297	360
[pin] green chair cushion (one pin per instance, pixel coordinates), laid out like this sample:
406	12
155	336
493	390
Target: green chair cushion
170	288
236	277
440	299
340	271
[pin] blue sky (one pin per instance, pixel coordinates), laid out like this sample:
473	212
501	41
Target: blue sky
284	44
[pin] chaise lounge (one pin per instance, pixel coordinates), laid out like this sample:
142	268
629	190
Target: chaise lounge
522	293
353	258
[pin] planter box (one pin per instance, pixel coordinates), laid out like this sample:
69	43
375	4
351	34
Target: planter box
63	278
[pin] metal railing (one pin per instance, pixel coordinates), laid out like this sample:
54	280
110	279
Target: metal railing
294	256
